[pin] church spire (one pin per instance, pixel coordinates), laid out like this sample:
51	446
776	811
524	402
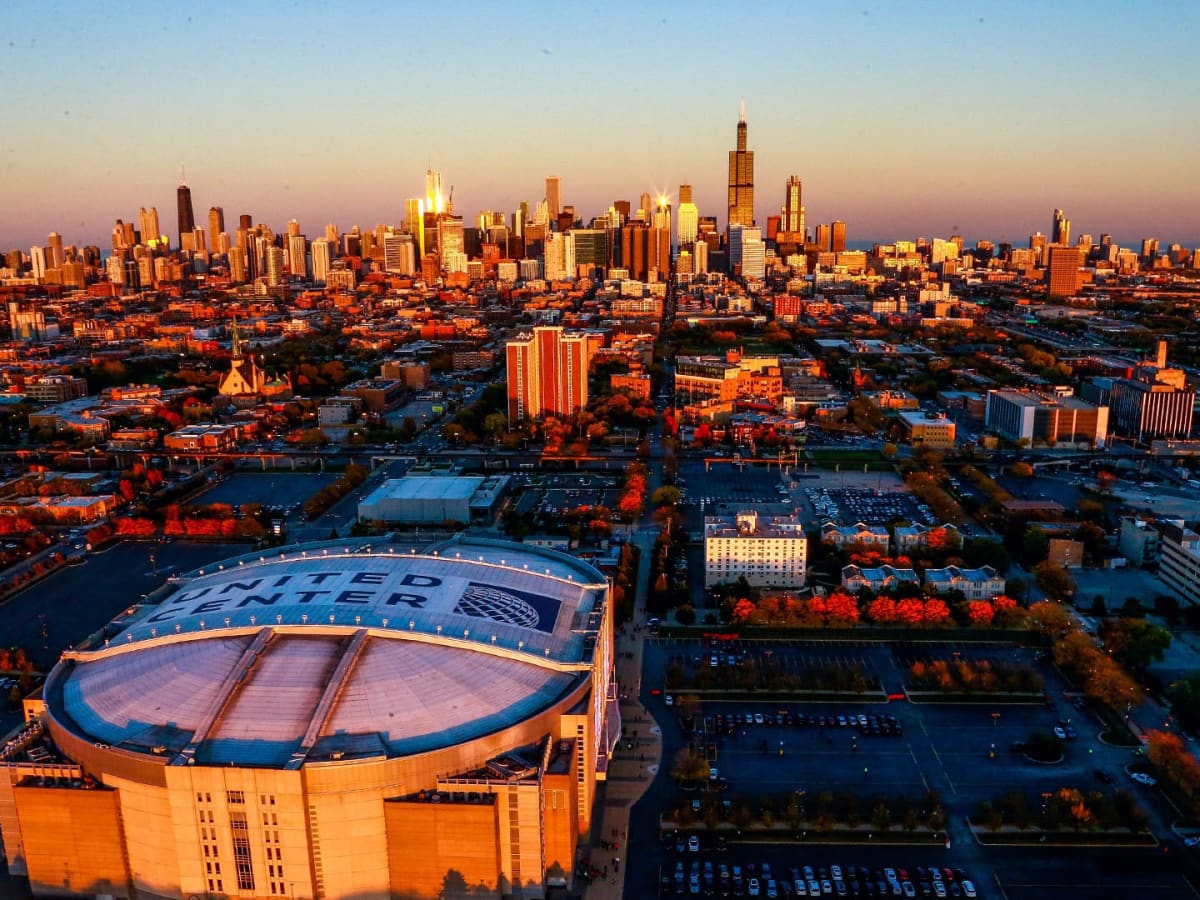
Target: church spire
237	341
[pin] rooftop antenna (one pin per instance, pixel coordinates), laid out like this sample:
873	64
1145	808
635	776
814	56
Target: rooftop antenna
182	175
742	110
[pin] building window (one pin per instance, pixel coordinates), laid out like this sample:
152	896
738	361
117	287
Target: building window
235	797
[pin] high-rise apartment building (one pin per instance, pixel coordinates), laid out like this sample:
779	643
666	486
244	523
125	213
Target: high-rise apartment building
399	254
183	205
837	236
297	255
553	196
322	258
741	177
1060	230
547	373
689	216
216	224
558	256
1062	274
823	237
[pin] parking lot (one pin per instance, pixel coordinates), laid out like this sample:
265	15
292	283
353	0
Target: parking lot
863	504
764	749
284	489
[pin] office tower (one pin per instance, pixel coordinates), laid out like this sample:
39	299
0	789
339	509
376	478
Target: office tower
747	251
558	256
837	236
824	237
322	258
1062	275
435	200
791	214
546	373
591	247
645	210
700	258
297	253
198	241
245	221
331	234
622	207
1149	250
689	216
237	264
553	196
274	265
634	250
216	224
119	240
183	205
1037	243
55	257
414	222
148	225
741	177
399	254
1060	231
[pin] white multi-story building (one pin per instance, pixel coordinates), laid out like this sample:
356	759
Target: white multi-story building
768	552
1179	560
558	256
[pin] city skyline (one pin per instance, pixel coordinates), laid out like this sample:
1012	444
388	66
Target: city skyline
982	127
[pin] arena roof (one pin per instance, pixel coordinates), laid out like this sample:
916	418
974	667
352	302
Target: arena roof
338	651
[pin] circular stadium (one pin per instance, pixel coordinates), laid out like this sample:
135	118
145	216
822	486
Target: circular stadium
338	719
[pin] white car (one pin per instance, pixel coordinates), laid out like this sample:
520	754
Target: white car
1060	733
1143	778
968	889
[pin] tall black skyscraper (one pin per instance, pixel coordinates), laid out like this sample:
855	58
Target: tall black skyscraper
187	221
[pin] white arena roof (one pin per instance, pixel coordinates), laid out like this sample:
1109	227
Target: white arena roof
338	651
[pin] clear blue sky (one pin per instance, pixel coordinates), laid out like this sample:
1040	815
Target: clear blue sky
904	119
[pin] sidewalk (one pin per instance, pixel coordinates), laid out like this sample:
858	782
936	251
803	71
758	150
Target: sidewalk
631	769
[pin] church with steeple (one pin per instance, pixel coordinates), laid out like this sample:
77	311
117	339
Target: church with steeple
245	382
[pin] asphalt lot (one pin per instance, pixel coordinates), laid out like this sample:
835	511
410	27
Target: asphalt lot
268	488
962	752
76	601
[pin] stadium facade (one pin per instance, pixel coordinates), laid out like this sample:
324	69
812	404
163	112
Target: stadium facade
331	721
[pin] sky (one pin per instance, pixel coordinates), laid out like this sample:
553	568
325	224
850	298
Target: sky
904	119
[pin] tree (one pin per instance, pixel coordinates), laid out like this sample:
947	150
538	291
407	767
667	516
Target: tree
665	496
1054	580
1184	695
1050	619
685	614
1135	643
889	451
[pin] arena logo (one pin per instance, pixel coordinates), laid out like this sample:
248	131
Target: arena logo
508	606
300	589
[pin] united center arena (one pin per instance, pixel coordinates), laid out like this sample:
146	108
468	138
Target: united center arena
331	721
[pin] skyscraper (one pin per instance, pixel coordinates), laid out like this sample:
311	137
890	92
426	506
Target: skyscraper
148	224
1060	232
741	177
553	196
1062	274
322	258
547	373
183	203
435	200
791	215
689	216
216	224
837	236
57	256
